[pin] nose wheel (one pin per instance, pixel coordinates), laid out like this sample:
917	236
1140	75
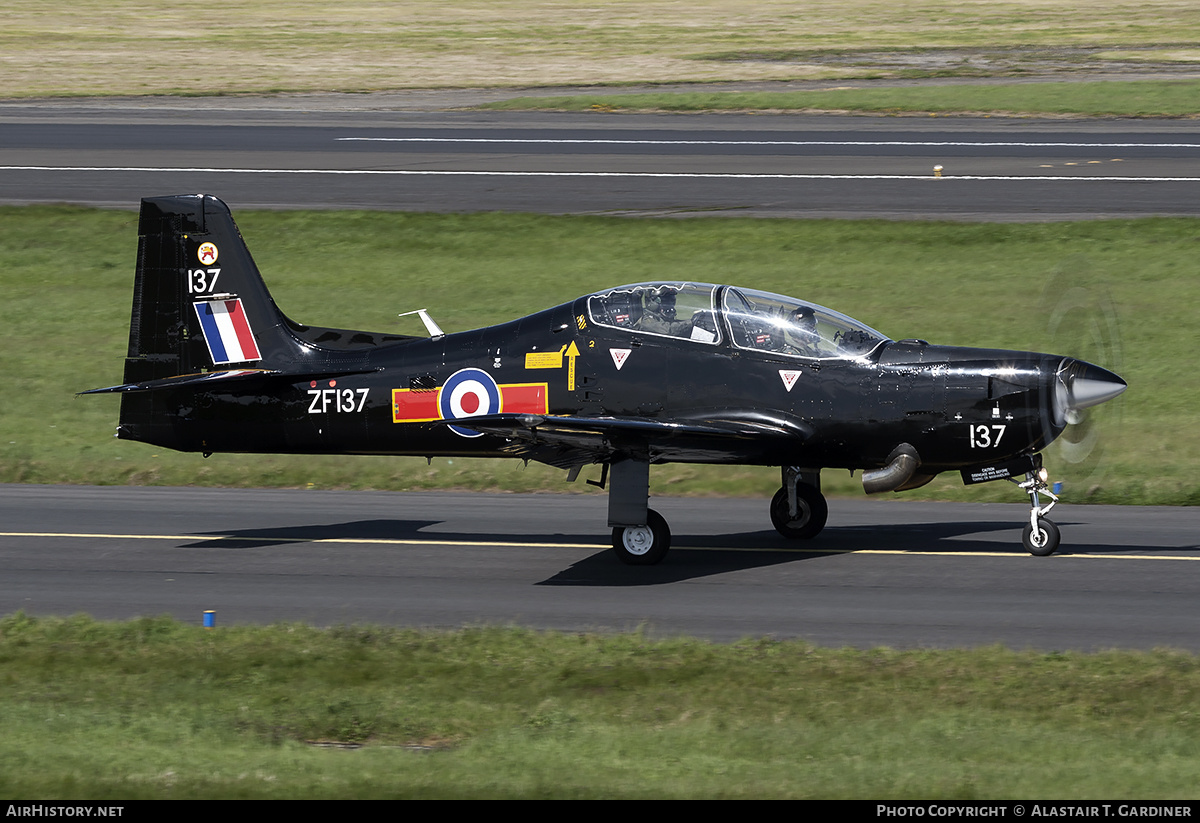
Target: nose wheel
1040	536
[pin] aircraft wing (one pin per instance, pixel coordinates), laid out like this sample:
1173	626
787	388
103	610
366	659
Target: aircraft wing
569	440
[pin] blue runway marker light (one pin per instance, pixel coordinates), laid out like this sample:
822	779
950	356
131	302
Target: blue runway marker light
210	619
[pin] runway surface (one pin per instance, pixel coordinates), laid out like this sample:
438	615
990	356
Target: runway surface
636	164
900	574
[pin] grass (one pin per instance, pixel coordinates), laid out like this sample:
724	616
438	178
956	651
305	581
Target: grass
68	273
135	47
1143	98
152	708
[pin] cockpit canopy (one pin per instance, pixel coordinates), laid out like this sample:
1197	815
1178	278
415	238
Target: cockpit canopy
744	318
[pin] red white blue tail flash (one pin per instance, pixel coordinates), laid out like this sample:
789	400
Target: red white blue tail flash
227	331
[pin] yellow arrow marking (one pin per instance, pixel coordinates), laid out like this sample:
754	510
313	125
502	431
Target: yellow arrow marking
572	352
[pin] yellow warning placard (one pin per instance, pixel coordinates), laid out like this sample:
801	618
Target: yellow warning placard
545	359
554	360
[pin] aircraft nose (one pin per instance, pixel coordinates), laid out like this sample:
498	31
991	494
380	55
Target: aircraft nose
1083	385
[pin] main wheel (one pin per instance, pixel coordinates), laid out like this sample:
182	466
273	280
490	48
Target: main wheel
642	545
811	513
1044	541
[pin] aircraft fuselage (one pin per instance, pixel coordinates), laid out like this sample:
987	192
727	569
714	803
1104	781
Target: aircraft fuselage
956	406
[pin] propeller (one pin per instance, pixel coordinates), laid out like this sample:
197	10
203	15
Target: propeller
1080	386
1082	322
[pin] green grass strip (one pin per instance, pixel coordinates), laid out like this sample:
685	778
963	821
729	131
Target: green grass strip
152	708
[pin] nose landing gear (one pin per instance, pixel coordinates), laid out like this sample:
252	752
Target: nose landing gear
1041	536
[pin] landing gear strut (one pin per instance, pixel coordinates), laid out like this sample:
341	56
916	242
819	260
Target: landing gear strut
640	535
1041	536
798	510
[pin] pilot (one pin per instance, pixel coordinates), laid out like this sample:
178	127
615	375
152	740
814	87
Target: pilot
800	334
659	316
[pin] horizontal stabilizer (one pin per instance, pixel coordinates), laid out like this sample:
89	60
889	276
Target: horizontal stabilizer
221	377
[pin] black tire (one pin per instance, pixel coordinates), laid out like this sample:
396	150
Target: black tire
642	545
811	513
1046	539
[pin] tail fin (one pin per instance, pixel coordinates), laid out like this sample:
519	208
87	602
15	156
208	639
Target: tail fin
198	301
204	320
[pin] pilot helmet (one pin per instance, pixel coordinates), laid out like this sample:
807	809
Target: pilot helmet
662	302
804	318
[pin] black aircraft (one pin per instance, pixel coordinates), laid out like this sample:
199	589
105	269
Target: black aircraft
625	377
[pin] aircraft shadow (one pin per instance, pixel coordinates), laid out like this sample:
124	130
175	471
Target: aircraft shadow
355	530
705	555
695	556
914	537
692	556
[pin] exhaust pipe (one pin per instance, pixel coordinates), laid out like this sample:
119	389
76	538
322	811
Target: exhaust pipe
902	465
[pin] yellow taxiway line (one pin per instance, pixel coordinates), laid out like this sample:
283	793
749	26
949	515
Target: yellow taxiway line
367	541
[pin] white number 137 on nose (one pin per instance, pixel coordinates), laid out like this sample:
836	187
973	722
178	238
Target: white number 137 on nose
984	437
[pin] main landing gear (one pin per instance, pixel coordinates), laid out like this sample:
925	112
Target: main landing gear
1040	536
799	510
641	537
642	545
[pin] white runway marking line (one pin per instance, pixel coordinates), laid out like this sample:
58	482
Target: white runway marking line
649	175
368	541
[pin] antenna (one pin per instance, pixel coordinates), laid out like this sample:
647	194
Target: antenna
434	330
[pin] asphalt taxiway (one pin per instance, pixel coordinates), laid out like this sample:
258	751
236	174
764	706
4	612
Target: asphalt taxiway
376	153
893	573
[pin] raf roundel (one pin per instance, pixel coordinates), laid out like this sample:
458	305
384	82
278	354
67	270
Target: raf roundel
468	393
